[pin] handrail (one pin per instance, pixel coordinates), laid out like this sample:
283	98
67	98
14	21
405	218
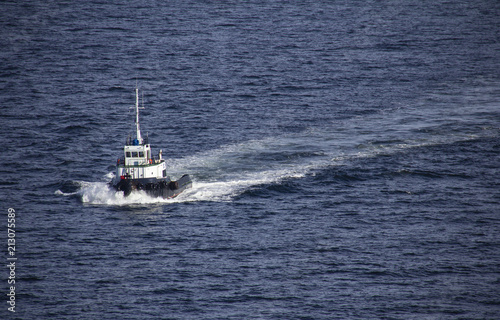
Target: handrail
130	141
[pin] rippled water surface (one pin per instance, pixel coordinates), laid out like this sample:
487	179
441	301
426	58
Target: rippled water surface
345	159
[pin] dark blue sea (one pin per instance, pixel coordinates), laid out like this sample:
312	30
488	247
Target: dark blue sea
345	158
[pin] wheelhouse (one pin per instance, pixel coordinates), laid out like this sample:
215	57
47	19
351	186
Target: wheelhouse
137	154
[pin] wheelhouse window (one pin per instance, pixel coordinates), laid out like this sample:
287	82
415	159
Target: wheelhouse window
141	154
135	155
127	154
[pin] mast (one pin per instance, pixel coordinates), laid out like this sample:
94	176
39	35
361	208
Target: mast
137	127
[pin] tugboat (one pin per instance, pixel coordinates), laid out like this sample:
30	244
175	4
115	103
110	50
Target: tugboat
139	170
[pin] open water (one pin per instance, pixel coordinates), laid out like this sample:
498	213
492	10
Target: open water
345	158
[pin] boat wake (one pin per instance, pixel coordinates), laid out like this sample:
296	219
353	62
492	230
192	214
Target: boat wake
222	174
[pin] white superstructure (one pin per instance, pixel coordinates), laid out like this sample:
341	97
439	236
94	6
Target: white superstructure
137	161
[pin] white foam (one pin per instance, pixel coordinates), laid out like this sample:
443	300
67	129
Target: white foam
227	190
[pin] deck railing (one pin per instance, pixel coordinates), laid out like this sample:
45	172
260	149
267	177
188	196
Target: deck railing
131	142
154	160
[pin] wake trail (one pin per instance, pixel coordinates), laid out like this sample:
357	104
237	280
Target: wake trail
224	173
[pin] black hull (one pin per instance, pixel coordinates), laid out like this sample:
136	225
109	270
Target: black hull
164	188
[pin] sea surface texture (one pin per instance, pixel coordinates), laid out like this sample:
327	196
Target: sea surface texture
345	158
